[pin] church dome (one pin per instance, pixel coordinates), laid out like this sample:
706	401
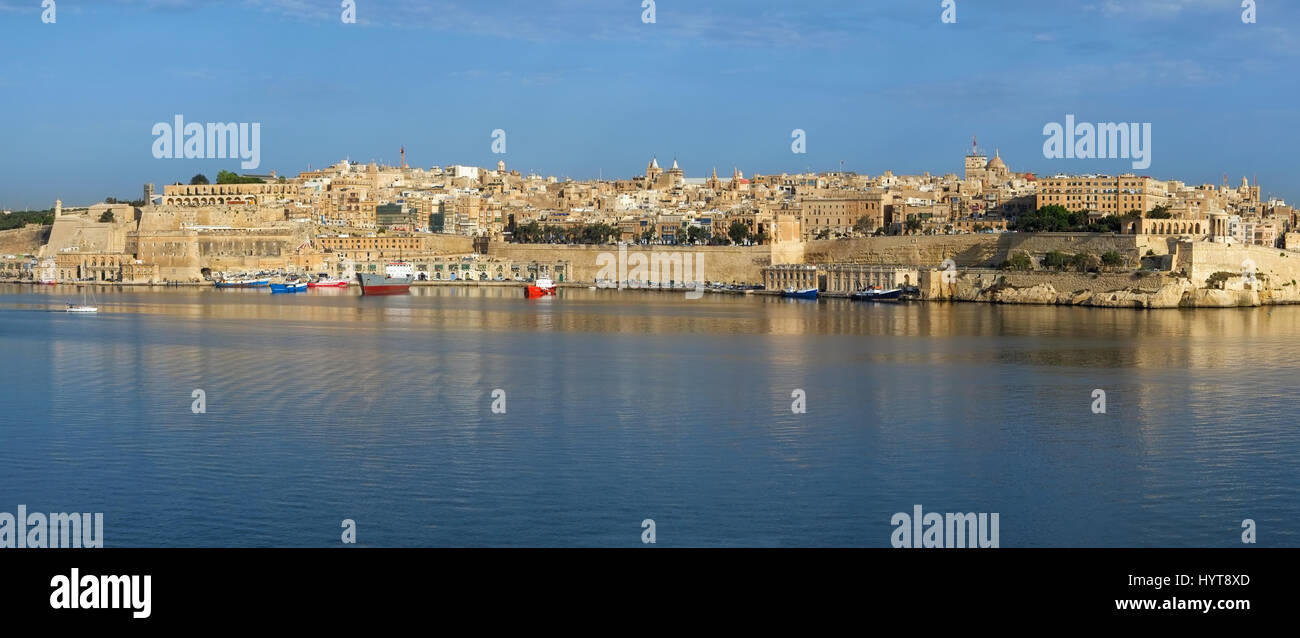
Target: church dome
996	162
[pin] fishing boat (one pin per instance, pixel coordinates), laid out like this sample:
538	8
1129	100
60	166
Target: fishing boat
85	307
396	280
245	282
540	288
289	286
328	282
800	293
876	293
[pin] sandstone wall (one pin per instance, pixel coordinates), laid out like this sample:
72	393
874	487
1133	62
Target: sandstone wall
23	241
971	251
716	263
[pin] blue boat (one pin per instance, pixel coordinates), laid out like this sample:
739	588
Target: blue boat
298	286
802	293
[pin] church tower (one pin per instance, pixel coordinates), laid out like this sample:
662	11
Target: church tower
652	172
976	160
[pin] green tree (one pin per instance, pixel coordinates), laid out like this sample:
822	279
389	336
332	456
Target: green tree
738	231
1085	262
863	226
107	217
199	180
1018	261
1159	212
228	177
913	225
1112	259
1056	259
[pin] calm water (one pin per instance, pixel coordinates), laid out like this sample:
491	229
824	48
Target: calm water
628	405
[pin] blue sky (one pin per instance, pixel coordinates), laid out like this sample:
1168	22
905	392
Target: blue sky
583	87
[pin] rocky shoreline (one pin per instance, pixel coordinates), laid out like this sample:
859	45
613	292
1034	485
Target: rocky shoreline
1169	292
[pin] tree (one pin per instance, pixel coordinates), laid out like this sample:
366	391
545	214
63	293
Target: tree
1055	259
1085	262
107	217
863	226
227	177
1112	259
738	231
1018	261
912	225
1160	212
199	180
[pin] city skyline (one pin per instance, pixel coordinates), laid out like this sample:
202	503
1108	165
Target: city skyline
588	88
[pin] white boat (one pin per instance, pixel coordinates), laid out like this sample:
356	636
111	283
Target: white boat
84	307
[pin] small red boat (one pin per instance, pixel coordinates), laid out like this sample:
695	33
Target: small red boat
328	283
541	288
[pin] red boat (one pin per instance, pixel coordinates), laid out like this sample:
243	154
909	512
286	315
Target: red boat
541	288
328	283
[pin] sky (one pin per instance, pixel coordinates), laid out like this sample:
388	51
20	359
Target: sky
587	88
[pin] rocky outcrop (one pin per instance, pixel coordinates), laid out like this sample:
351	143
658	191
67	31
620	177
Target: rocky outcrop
1152	292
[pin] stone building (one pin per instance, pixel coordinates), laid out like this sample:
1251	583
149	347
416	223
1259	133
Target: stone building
798	276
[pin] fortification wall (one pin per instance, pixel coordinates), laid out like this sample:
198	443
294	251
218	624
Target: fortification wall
743	264
969	251
24	241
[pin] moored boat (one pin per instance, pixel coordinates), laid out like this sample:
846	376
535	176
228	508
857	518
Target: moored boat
396	280
801	293
292	286
540	288
242	283
328	282
877	294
